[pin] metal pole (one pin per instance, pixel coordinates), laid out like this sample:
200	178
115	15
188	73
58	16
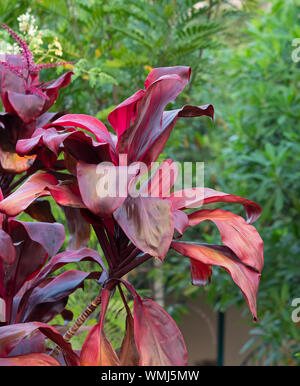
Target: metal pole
221	336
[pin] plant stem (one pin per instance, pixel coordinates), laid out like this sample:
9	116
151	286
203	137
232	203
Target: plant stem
78	323
104	244
129	258
95	303
129	267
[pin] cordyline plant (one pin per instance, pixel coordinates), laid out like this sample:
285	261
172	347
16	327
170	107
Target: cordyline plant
73	157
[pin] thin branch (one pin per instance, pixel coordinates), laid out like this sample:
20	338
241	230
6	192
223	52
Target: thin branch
78	323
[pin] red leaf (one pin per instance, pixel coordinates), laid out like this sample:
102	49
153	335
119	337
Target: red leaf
196	197
66	194
124	114
183	72
242	238
136	140
245	277
160	135
158	339
102	189
200	273
40	185
86	122
32	188
138	120
97	350
52	90
34	359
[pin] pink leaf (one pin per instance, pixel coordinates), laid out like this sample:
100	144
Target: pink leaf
242	238
103	187
196	197
245	277
32	188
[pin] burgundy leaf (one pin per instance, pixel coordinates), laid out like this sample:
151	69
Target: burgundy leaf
148	222
50	235
52	90
27	106
79	229
9	80
54	291
30	257
7	249
66	257
33	242
33	344
44	312
129	355
84	148
33	359
40	210
12	335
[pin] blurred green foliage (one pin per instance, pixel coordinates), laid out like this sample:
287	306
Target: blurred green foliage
255	153
241	61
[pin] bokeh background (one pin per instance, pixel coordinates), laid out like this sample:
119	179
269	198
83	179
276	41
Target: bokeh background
245	61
